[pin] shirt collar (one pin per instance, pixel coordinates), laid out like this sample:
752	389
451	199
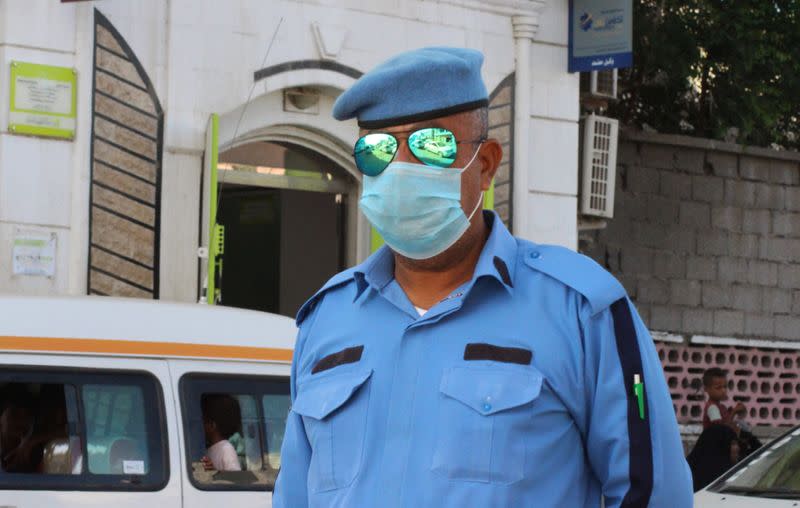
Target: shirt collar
497	260
499	254
376	271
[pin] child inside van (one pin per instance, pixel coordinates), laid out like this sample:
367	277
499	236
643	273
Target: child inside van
715	384
221	418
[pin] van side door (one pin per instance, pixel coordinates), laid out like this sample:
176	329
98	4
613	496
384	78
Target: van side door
233	416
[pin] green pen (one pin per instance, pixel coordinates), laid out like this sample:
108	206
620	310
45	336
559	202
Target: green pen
638	390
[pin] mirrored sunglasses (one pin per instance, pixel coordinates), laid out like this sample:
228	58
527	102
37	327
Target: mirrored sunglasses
432	146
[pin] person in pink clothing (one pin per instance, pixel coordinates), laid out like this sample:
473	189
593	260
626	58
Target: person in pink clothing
221	417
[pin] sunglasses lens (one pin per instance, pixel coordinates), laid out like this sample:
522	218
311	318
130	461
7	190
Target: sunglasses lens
374	152
433	146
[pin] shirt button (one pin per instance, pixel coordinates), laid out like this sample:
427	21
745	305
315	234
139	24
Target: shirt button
487	407
536	254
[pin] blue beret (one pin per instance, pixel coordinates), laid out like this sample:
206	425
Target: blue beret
414	86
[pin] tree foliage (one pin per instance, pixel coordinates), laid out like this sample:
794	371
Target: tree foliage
724	69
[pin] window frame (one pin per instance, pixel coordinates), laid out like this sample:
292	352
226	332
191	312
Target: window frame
190	385
155	421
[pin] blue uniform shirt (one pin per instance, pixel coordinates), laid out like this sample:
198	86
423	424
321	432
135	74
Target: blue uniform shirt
515	390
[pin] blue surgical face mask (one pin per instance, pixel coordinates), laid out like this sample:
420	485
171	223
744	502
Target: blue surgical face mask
417	208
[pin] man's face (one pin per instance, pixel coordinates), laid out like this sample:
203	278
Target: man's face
468	129
15	424
718	388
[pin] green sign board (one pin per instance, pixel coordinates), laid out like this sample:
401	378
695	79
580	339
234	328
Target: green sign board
44	100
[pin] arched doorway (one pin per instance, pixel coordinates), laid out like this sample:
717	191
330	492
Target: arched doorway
288	168
285	209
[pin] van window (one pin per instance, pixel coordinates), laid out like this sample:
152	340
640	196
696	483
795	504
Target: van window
276	410
116	433
234	428
81	430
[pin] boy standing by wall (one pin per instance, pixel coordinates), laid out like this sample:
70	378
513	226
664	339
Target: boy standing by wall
715	383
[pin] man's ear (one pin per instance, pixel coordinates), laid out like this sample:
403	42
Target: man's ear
490	156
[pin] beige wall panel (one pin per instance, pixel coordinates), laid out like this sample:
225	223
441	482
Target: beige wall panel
130	163
125	269
125	115
124	92
501	134
121	67
503	172
125	137
501	193
118	180
503	96
122	236
123	205
104	38
500	115
111	286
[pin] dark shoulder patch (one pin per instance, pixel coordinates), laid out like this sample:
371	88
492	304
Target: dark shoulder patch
577	271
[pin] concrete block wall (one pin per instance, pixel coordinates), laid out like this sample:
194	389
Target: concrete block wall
706	237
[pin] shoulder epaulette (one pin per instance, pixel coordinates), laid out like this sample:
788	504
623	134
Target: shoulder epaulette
339	279
577	271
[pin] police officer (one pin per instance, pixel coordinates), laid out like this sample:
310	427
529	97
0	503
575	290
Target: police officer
458	365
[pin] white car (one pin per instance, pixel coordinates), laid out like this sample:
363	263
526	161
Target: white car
769	478
433	147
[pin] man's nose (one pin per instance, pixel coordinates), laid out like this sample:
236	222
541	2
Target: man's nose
403	152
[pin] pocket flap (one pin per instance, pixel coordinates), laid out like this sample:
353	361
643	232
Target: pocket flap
320	397
490	391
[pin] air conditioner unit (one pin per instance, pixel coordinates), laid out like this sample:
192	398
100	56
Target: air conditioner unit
603	84
599	165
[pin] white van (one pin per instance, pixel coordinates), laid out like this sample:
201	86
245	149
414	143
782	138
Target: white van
113	402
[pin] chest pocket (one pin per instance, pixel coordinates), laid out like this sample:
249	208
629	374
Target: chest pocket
485	415
334	411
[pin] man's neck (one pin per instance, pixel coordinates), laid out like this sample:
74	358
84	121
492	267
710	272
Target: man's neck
427	287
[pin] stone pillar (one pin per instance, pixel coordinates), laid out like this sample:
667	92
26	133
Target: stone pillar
525	28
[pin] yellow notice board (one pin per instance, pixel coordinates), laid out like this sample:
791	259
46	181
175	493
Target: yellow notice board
43	101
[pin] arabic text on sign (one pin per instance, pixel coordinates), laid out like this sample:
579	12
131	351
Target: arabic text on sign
44	95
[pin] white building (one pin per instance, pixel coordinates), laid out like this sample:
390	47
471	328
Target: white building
125	199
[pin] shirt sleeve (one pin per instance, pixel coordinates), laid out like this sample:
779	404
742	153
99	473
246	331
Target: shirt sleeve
291	484
230	460
633	442
713	413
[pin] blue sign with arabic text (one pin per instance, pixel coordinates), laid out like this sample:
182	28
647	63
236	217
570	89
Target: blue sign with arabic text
600	34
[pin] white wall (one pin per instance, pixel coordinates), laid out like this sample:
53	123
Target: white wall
37	175
553	148
201	58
